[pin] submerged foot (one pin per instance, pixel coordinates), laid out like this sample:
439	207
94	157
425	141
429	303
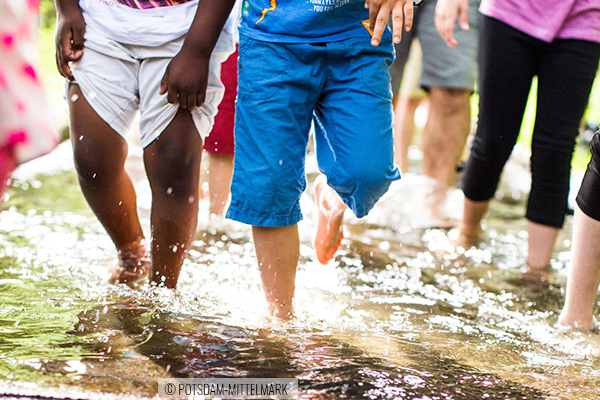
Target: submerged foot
134	264
578	323
466	236
329	227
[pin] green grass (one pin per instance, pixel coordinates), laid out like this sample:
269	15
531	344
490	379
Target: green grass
59	193
51	79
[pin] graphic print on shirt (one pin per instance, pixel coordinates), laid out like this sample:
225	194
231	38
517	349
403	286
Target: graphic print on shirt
147	4
266	10
313	5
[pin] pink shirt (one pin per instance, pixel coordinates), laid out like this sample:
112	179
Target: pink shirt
548	19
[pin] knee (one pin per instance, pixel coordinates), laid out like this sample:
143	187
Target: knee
98	167
369	178
173	168
450	102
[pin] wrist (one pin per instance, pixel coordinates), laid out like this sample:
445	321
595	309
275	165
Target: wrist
197	49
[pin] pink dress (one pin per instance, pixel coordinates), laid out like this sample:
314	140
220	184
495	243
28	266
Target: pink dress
24	117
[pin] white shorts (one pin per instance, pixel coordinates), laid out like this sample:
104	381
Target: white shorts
119	79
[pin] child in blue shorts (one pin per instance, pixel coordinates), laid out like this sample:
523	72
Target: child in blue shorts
303	62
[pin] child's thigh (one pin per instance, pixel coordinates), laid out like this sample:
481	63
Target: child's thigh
355	110
107	78
354	126
276	96
156	113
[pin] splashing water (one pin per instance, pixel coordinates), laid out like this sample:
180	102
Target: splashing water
392	317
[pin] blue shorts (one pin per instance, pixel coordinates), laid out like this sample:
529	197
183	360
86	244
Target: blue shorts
344	87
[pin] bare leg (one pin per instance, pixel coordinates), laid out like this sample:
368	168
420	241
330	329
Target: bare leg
7	163
584	275
470	225
278	251
444	138
404	128
219	181
541	244
173	165
100	155
329	226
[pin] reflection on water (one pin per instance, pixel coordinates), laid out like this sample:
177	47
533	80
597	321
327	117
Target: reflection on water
395	316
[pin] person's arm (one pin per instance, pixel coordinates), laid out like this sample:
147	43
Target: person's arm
379	13
446	12
187	74
70	28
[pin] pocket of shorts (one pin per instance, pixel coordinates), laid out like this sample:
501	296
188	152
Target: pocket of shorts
262	68
374	64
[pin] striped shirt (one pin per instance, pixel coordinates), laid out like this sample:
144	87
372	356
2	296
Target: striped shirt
147	4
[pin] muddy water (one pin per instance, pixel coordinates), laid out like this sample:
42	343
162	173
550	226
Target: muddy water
395	316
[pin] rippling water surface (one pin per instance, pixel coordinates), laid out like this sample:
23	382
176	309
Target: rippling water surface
395	316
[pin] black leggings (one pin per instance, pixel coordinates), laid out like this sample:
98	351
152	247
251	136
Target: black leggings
508	61
588	198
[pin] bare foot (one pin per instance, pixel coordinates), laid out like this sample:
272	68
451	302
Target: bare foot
567	323
134	264
329	227
465	240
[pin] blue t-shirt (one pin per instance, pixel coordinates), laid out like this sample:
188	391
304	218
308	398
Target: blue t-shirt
304	21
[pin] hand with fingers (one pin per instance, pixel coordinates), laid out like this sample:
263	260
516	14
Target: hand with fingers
185	79
402	12
446	12
70	28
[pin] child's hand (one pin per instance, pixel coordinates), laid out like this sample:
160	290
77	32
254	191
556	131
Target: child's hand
70	28
185	79
446	12
379	13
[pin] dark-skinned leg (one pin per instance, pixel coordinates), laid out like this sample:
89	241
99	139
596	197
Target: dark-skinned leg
100	155
173	167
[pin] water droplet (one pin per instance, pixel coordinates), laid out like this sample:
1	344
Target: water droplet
94	176
81	137
170	190
120	203
280	162
168	368
74	98
174	249
163	278
191	199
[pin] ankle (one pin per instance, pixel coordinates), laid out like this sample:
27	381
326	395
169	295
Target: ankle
134	251
471	231
575	323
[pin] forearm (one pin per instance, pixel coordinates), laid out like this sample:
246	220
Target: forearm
66	6
207	25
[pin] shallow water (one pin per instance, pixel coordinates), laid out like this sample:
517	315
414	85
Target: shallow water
394	316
